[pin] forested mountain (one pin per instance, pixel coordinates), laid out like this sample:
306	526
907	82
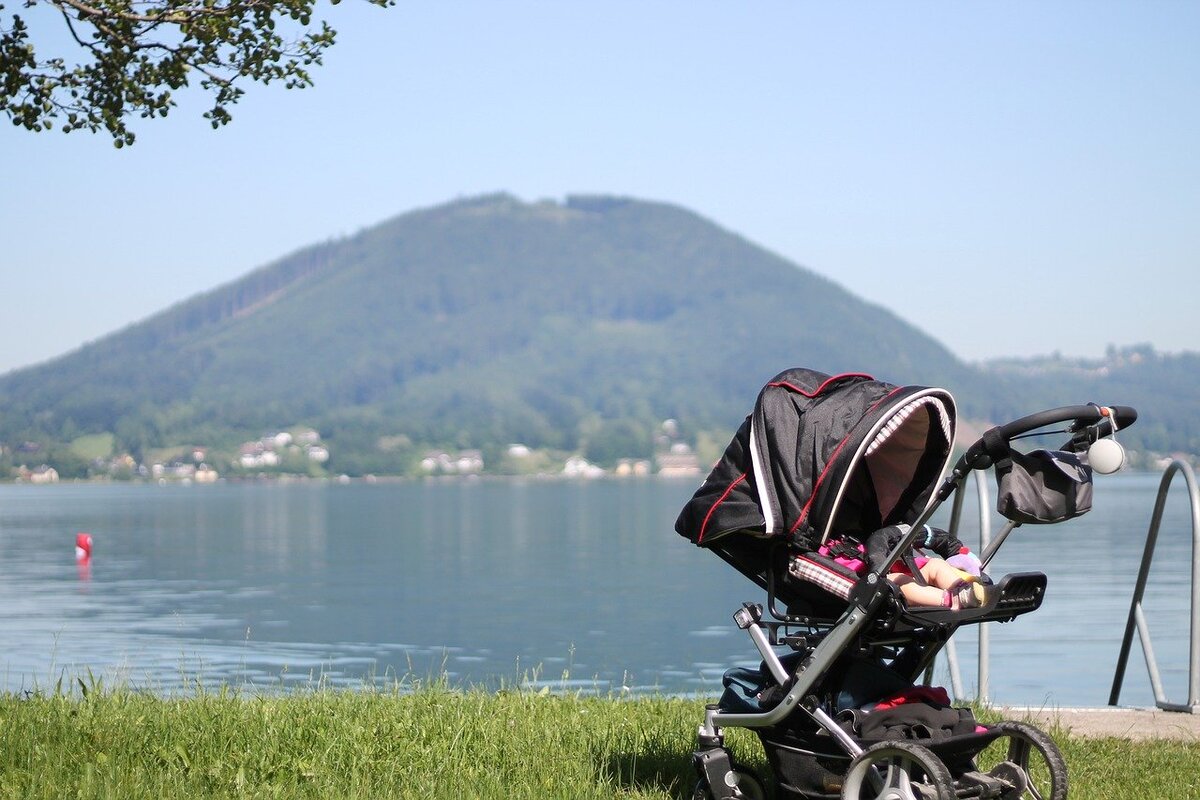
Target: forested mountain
575	326
1165	388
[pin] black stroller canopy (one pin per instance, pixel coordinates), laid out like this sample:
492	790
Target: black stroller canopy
822	454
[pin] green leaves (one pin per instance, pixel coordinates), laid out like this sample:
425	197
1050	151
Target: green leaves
135	55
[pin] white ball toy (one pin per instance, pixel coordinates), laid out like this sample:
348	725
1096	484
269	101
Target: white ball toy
1106	456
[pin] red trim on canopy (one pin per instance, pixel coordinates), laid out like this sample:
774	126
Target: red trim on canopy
824	385
720	500
832	458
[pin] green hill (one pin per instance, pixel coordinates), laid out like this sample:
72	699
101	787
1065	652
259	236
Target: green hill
1164	387
574	326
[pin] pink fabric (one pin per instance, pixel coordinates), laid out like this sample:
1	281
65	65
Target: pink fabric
860	566
902	568
856	564
920	694
916	694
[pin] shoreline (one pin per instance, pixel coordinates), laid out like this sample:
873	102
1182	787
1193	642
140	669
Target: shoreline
1117	722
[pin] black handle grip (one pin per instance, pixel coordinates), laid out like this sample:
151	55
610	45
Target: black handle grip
1126	415
1082	416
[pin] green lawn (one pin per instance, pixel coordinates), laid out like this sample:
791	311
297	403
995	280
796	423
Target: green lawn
427	743
93	446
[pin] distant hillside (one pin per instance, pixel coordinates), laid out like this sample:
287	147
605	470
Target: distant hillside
575	326
1165	388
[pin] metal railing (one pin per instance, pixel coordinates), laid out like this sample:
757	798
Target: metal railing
985	540
1137	618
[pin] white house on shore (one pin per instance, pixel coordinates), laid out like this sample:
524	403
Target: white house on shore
580	467
679	461
43	474
632	467
465	462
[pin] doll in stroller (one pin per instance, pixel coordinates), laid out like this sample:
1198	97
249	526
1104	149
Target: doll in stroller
827	468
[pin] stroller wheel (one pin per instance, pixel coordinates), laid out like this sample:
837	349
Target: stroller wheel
897	771
747	782
1033	755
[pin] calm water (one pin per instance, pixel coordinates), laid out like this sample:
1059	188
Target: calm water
583	585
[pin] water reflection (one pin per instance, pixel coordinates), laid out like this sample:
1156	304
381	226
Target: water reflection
579	585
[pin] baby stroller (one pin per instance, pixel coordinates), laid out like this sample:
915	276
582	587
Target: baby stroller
840	713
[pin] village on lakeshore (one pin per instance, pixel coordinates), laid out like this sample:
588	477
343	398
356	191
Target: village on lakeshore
299	453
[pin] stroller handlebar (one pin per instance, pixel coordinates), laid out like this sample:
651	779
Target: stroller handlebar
1090	422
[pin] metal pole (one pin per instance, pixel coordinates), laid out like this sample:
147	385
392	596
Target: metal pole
985	539
994	545
951	650
1139	587
1137	619
955	675
1194	667
956	513
1160	696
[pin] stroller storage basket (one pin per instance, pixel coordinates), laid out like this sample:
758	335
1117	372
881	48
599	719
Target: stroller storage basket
814	767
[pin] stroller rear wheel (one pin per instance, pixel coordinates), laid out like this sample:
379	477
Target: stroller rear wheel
747	782
897	771
1035	757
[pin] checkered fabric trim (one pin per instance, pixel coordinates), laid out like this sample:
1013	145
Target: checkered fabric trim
825	576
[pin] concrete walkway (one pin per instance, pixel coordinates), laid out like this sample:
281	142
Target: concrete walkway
1110	721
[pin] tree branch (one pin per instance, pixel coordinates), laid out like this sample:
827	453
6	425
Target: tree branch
143	51
178	16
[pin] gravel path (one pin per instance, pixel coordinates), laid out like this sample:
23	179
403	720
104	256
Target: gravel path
1124	723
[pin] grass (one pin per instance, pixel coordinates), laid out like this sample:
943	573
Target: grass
1120	769
1117	768
425	742
93	446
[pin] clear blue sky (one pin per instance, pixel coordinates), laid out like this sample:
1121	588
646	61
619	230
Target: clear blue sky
1015	178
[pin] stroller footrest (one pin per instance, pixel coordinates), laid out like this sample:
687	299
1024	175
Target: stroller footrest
1020	593
1015	594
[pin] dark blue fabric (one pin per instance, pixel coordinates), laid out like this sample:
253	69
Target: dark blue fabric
742	686
864	682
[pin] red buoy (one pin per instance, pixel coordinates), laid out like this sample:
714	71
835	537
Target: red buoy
83	546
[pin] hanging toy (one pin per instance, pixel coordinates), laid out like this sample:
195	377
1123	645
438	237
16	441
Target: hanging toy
1106	456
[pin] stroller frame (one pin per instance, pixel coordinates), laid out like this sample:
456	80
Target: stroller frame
875	619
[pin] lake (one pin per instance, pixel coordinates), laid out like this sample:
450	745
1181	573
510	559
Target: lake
576	585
